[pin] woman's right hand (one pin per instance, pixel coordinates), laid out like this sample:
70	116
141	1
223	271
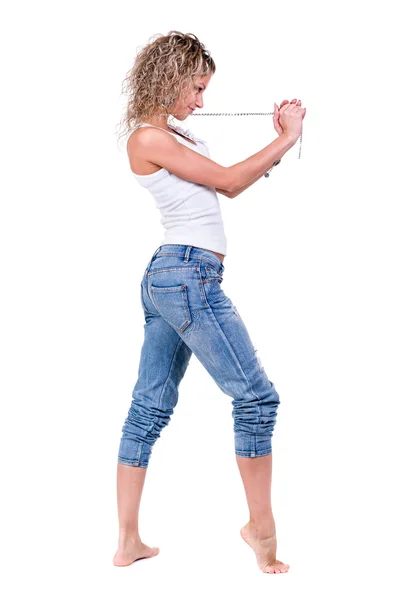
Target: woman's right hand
290	118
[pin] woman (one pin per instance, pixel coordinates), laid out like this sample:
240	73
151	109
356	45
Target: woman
184	305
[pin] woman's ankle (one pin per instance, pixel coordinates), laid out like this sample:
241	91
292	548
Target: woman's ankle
264	527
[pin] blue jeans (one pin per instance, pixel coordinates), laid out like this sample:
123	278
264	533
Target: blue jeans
185	311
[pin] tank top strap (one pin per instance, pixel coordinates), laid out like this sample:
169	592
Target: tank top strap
178	130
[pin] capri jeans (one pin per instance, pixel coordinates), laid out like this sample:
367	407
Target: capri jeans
185	311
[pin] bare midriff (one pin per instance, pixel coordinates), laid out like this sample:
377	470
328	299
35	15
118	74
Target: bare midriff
220	256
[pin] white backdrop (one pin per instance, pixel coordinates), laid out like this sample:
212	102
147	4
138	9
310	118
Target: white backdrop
312	266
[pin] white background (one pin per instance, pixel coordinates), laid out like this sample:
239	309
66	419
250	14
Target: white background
312	266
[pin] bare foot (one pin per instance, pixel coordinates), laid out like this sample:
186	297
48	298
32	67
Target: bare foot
130	550
265	550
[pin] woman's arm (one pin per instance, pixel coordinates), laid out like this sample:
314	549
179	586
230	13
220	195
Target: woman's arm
160	148
239	190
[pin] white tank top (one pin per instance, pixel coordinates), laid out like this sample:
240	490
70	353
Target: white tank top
190	212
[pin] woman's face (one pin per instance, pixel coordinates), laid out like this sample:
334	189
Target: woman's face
193	99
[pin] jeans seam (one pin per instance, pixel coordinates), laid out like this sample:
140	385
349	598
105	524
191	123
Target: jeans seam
171	269
165	382
217	264
180	342
238	361
253	453
201	285
128	462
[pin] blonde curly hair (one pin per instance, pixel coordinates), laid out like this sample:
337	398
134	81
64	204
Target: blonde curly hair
163	72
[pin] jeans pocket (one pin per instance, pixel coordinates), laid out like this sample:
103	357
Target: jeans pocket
172	304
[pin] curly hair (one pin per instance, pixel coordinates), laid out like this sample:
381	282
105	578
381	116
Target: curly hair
163	72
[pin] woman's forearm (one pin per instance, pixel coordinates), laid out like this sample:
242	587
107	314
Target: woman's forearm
244	187
248	171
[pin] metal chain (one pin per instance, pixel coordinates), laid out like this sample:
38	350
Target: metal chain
224	115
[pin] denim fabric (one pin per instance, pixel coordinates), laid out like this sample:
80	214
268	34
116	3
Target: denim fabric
185	311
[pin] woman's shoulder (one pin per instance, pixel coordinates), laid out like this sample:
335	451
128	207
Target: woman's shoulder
134	136
137	135
134	148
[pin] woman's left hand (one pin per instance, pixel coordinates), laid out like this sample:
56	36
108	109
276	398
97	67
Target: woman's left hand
277	126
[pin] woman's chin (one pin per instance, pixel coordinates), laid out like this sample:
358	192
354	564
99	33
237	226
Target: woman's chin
182	116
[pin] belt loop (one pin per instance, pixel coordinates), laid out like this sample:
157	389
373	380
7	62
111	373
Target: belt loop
188	249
